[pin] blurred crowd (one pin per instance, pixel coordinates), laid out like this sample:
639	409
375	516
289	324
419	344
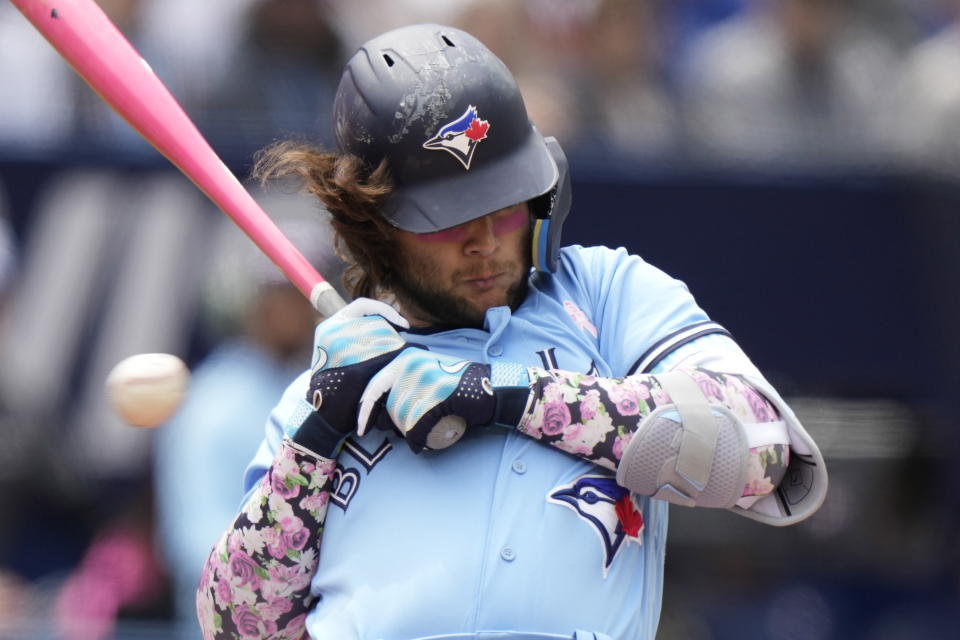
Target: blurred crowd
112	524
806	83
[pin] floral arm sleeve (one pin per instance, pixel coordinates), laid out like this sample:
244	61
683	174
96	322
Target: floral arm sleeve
256	582
595	418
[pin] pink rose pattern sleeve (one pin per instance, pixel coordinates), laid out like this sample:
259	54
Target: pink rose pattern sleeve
595	418
256	583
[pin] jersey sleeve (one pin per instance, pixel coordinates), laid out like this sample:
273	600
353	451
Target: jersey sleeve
641	313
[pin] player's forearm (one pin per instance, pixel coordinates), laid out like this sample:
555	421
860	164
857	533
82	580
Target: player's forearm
595	418
256	581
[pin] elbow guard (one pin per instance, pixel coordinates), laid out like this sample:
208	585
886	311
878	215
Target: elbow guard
689	452
694	453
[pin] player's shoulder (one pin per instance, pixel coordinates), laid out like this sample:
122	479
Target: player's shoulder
615	279
589	266
576	257
574	253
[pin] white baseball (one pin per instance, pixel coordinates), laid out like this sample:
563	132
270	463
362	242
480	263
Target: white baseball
146	389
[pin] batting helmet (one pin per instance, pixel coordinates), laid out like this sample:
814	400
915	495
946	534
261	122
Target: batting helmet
449	119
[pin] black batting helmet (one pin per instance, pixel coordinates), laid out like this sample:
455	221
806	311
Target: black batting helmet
449	119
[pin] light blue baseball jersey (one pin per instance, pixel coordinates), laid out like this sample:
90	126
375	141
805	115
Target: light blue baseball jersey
501	532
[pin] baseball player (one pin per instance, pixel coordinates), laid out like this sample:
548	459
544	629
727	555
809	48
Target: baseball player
490	435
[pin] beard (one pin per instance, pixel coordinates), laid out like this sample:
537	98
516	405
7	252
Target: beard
416	289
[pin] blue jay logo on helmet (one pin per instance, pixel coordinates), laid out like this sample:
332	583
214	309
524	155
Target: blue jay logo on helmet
460	137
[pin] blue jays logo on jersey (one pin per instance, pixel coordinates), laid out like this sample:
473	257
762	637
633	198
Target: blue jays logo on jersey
460	137
607	507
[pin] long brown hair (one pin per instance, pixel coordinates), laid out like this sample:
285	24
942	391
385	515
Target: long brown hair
353	193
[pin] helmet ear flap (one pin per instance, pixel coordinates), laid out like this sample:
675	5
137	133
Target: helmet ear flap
549	212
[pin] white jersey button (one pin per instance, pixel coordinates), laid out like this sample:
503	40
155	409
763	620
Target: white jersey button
519	466
495	350
508	554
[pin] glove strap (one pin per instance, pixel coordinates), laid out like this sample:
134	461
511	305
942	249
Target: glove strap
318	435
511	406
511	388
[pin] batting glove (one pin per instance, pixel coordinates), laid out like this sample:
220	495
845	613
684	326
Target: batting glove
349	348
432	398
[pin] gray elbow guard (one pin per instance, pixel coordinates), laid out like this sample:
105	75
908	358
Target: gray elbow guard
689	453
696	454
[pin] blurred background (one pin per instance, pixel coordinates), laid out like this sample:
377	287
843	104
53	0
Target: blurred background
795	162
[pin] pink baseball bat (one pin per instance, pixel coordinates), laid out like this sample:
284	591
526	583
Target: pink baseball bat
95	48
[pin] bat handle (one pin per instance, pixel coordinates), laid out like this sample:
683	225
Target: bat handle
325	299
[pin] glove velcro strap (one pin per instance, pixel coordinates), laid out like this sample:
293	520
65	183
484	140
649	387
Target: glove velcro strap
512	404
319	436
511	388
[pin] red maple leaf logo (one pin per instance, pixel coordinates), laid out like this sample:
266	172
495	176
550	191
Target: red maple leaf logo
630	517
478	129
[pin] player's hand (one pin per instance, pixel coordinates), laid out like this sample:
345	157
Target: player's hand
432	398
349	348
